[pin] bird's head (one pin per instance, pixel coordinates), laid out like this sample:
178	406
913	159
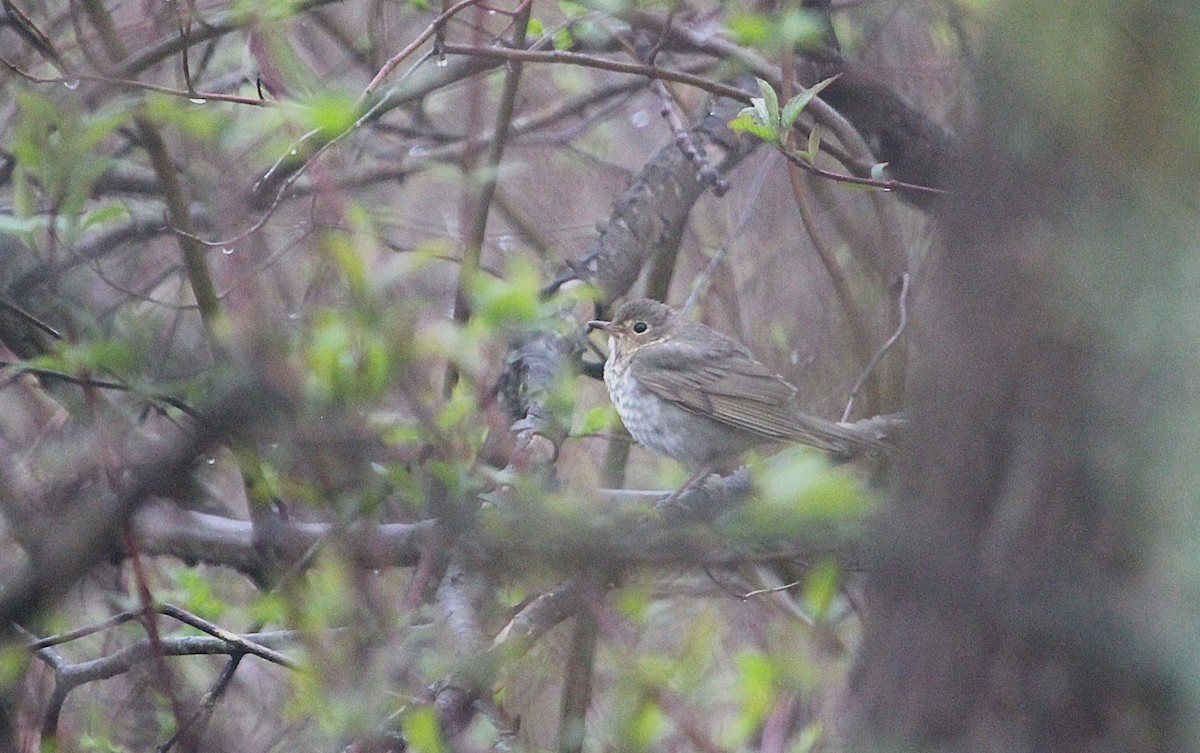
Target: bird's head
636	324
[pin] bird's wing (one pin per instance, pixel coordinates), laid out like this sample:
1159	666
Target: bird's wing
727	384
723	382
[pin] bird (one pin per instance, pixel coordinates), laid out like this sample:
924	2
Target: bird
700	397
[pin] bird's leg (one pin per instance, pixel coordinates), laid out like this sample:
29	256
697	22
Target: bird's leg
698	476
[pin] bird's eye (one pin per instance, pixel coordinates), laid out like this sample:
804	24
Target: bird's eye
640	327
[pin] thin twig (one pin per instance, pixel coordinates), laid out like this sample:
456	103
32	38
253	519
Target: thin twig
902	305
706	173
54	640
861	339
128	83
752	194
184	21
591	61
889	184
27	29
194	724
213	27
233	639
90	382
473	242
430	30
163	677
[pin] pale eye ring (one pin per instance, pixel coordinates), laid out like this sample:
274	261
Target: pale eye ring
640	327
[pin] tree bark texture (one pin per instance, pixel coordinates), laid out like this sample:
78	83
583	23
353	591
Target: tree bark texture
1038	562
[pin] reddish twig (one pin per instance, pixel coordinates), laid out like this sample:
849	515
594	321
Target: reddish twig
430	30
883	185
134	84
163	676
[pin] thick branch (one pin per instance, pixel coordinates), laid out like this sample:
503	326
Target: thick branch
654	210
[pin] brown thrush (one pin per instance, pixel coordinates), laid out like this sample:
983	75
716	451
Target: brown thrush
697	396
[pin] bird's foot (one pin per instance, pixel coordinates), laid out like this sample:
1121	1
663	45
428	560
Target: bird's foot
676	498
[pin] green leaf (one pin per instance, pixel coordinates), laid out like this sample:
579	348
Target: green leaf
791	111
402	434
342	250
270	609
808	738
798	485
34	130
202	123
821	587
13	663
96	743
266	10
814	145
758	108
536	27
814	142
649	726
56	149
572	9
751	29
634	602
655	670
460	345
797	104
98	127
563	39
330	353
514	299
330	111
22	226
778	32
459	410
799	494
748	122
800	29
94	356
422	732
197	596
771	102
596	421
347	359
106	215
757	689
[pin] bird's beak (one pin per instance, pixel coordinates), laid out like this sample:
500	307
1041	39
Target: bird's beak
608	327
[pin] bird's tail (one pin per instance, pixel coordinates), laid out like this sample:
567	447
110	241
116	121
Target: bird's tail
871	436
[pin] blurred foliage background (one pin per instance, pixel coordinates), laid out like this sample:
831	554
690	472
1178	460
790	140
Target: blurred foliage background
292	299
